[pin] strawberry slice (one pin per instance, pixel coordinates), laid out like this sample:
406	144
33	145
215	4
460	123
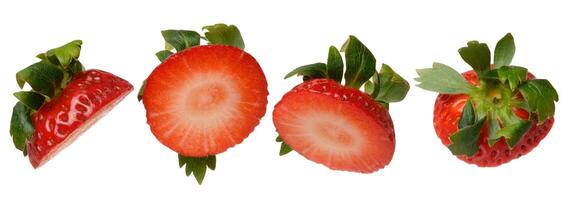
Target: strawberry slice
340	127
337	125
87	98
205	99
65	100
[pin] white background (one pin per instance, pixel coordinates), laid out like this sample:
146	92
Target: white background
119	157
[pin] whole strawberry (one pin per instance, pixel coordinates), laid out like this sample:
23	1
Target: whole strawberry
338	125
65	100
494	113
204	99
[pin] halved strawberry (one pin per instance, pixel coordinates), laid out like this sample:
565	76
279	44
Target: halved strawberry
341	126
203	100
64	101
87	98
492	114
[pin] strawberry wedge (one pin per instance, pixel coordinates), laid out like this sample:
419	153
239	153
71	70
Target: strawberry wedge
84	100
65	100
338	125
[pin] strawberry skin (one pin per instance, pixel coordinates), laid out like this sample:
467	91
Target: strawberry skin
205	99
87	98
339	127
447	112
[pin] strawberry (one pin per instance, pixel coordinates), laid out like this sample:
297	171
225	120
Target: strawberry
340	126
204	99
492	114
64	101
199	102
87	98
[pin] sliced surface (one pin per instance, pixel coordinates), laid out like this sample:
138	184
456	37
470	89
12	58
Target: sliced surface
87	98
342	128
205	99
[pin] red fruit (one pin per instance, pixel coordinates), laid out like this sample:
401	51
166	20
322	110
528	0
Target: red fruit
87	98
448	110
339	127
205	99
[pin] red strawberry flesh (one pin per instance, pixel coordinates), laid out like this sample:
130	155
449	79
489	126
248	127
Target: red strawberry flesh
339	127
205	99
87	98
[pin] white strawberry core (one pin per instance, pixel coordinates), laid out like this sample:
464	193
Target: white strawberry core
209	101
329	132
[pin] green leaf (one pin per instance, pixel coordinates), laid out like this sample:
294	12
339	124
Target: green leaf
181	39
141	91
21	126
162	55
182	161
360	63
493	129
31	99
443	79
316	70
369	86
211	162
43	77
373	85
504	51
513	75
477	55
285	149
75	68
224	34
513	133
196	166
392	87
465	141
63	55
468	116
200	167
541	97
335	65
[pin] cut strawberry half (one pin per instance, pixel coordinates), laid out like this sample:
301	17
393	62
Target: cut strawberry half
65	100
87	98
205	99
342	128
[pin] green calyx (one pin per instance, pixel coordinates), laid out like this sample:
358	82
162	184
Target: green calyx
385	86
197	166
285	149
356	69
492	101
47	78
180	40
